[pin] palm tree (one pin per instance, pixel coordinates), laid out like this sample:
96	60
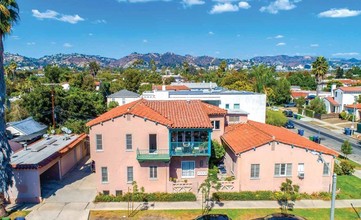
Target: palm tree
9	14
319	69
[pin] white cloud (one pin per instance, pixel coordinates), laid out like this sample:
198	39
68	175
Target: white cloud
281	44
217	52
193	2
346	54
314	45
100	21
244	5
30	43
211	33
15	37
339	13
141	1
279	36
50	14
279	5
223	7
71	19
67	45
145	41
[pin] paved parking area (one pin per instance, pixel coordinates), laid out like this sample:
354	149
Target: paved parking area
69	198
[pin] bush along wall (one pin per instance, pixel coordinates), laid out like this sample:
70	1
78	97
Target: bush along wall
147	197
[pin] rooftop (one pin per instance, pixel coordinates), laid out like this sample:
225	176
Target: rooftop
44	151
213	92
246	136
170	87
171	113
350	89
202	85
124	94
357	106
332	101
28	126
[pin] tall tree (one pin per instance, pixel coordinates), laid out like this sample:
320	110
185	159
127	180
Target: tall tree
339	73
9	14
12	69
94	68
319	69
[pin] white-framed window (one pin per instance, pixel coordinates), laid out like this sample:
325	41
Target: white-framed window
283	169
233	119
188	169
130	177
104	174
236	106
301	170
216	125
99	142
227	106
128	142
153	172
326	169
255	171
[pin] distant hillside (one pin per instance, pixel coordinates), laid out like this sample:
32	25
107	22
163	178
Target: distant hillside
169	59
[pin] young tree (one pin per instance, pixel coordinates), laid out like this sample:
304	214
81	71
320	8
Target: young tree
9	14
339	73
318	106
217	153
346	148
289	192
319	69
94	68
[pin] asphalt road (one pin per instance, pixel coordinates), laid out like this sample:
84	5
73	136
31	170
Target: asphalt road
329	138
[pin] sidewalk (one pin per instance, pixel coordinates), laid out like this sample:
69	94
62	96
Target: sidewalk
301	204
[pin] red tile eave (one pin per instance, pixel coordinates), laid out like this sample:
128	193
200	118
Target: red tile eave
332	101
73	144
350	89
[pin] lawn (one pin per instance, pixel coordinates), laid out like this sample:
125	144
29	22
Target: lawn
350	187
15	214
235	214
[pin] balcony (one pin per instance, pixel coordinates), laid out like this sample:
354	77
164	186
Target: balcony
189	149
153	155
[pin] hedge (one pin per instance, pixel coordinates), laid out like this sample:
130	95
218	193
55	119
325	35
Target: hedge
145	197
263	195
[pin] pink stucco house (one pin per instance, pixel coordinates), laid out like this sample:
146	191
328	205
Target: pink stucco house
262	156
165	147
153	142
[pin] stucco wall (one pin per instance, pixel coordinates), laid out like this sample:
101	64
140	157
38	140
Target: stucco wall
216	134
26	186
120	100
116	158
314	180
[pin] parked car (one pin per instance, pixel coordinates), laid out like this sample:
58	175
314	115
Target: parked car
288	113
291	104
289	125
213	217
281	216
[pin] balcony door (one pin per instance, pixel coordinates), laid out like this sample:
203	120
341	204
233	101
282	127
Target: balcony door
152	143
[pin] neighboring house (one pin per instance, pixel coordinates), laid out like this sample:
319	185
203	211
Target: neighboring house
196	86
45	160
123	97
170	87
332	106
298	94
262	156
25	130
354	109
346	96
153	142
249	104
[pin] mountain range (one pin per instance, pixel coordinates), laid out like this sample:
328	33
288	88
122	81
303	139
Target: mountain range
168	59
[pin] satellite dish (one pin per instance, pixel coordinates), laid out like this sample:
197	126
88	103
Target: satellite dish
52	131
64	129
68	131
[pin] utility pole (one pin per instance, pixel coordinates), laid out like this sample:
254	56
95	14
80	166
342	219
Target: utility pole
334	180
52	100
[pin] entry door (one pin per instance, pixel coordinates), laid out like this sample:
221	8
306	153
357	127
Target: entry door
152	143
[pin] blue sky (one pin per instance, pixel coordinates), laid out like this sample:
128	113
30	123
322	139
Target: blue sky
221	28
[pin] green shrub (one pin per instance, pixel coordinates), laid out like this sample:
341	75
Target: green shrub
145	197
347	168
337	169
309	113
276	118
343	115
245	195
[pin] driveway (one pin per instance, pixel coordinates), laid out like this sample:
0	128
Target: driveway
68	198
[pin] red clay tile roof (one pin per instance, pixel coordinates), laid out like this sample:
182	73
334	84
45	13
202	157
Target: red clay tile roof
350	89
358	106
332	101
175	114
170	87
244	137
299	94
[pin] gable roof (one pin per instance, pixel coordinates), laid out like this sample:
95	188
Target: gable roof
357	106
170	87
171	113
28	126
298	94
124	94
350	89
332	101
246	136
